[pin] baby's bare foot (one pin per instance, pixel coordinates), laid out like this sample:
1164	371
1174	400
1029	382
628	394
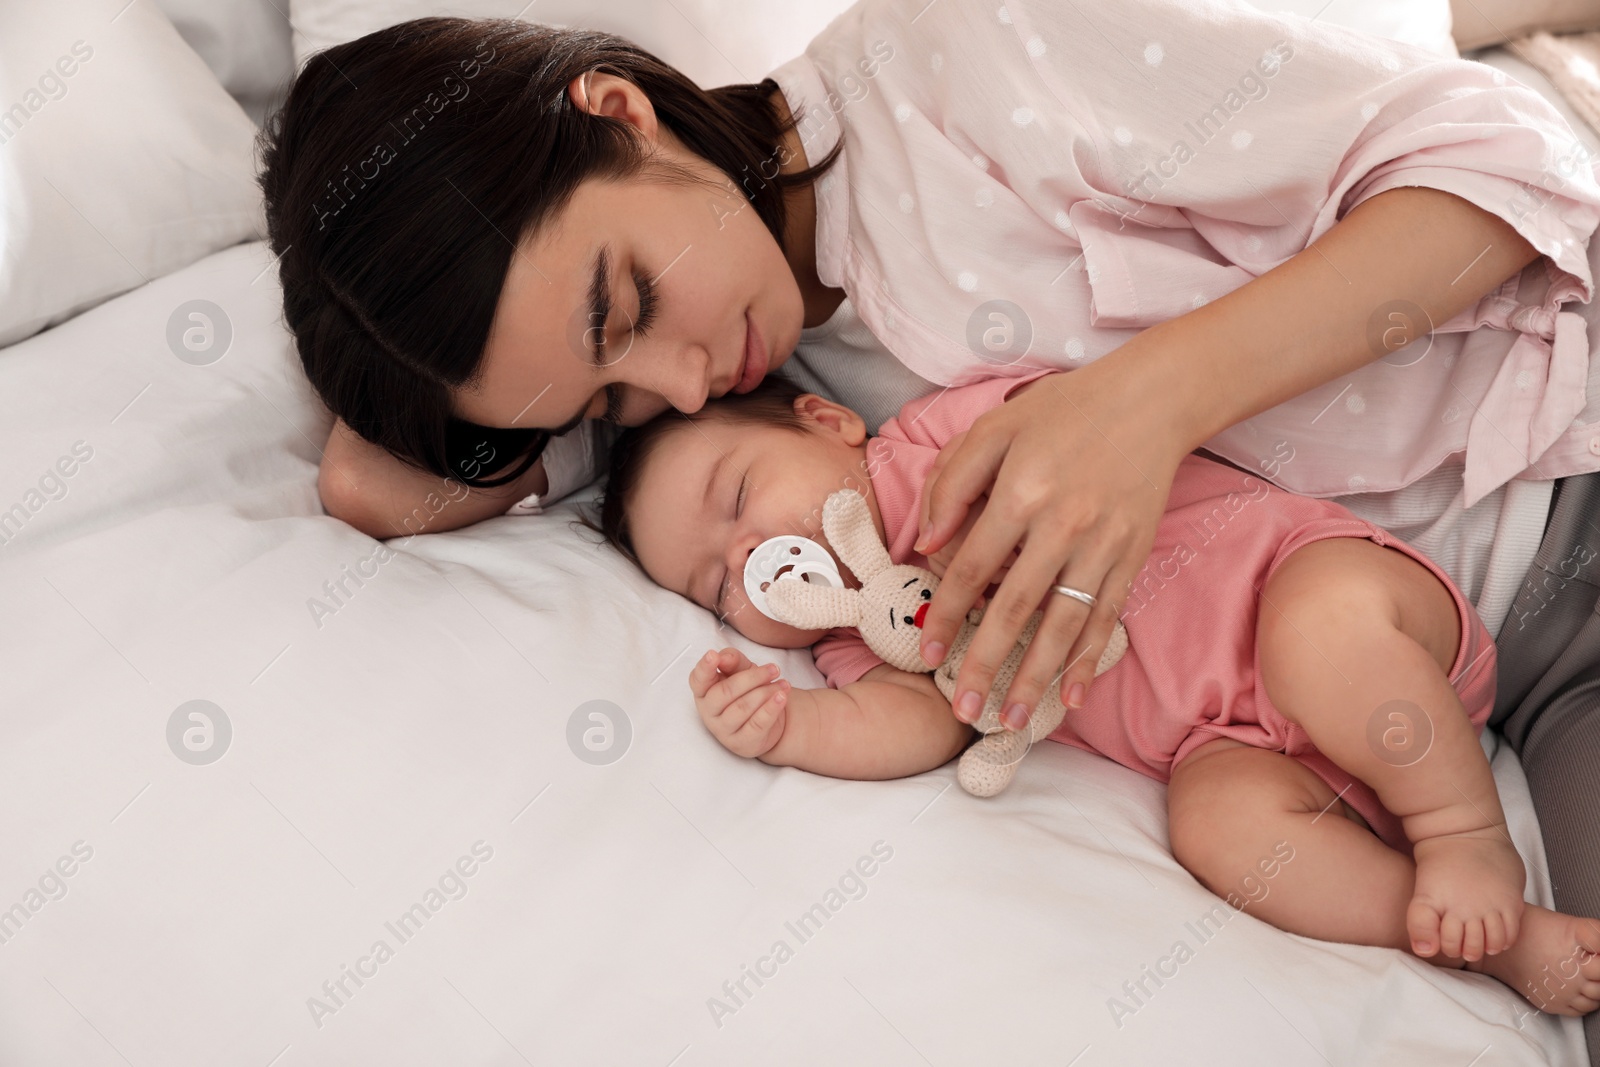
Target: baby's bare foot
1468	896
1554	962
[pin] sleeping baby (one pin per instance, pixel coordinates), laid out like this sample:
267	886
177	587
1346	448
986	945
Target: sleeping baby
1278	649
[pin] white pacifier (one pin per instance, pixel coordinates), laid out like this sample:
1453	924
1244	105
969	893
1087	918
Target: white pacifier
787	558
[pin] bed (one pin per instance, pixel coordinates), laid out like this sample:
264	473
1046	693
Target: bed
277	794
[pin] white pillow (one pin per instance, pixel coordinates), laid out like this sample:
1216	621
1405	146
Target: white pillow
122	158
713	42
244	42
1424	23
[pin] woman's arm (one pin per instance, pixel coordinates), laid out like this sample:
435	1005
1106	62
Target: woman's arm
1306	322
365	486
889	724
1078	466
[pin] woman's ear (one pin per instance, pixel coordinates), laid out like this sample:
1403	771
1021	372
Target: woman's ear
837	418
605	94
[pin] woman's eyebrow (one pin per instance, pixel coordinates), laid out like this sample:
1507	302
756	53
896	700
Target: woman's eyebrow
599	309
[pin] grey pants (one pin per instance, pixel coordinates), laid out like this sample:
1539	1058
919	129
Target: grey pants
1548	699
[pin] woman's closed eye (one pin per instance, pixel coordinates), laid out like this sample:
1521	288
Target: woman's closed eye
648	301
649	308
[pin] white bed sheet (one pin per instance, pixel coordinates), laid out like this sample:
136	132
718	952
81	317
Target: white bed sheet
375	745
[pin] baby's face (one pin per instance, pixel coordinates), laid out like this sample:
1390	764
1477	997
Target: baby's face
714	489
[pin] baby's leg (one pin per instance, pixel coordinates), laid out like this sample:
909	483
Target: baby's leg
1232	809
1263	832
1354	641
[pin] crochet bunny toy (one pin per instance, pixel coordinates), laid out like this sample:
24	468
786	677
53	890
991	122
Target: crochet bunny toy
889	609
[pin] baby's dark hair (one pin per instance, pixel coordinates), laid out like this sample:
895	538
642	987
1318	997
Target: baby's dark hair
770	403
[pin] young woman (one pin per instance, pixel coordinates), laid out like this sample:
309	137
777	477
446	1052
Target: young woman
494	230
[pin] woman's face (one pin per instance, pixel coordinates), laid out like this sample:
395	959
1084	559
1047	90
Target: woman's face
685	267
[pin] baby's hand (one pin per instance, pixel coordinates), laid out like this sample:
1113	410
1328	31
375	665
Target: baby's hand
741	704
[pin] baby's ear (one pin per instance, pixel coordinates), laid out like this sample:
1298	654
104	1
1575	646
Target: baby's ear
833	417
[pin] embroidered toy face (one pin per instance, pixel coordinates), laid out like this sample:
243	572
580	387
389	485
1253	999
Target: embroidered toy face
892	603
922	591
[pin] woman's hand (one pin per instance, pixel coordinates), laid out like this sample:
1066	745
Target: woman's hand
939	561
365	486
1077	467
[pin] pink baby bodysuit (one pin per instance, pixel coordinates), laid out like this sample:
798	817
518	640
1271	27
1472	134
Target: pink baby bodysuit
1190	674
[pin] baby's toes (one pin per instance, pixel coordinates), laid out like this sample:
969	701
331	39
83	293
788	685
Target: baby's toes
1422	926
1494	933
1587	953
1451	929
1585	956
1513	921
1472	940
1584	1000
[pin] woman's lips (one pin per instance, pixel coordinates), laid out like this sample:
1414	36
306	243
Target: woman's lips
755	363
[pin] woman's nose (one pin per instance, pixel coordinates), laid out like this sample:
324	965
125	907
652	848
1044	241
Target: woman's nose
685	381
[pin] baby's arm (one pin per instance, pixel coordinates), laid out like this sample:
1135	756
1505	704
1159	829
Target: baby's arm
890	724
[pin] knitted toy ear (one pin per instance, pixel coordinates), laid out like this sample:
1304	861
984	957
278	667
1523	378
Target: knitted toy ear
813	606
847	524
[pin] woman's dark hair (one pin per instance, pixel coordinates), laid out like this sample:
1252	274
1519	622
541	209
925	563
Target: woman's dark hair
404	167
770	403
